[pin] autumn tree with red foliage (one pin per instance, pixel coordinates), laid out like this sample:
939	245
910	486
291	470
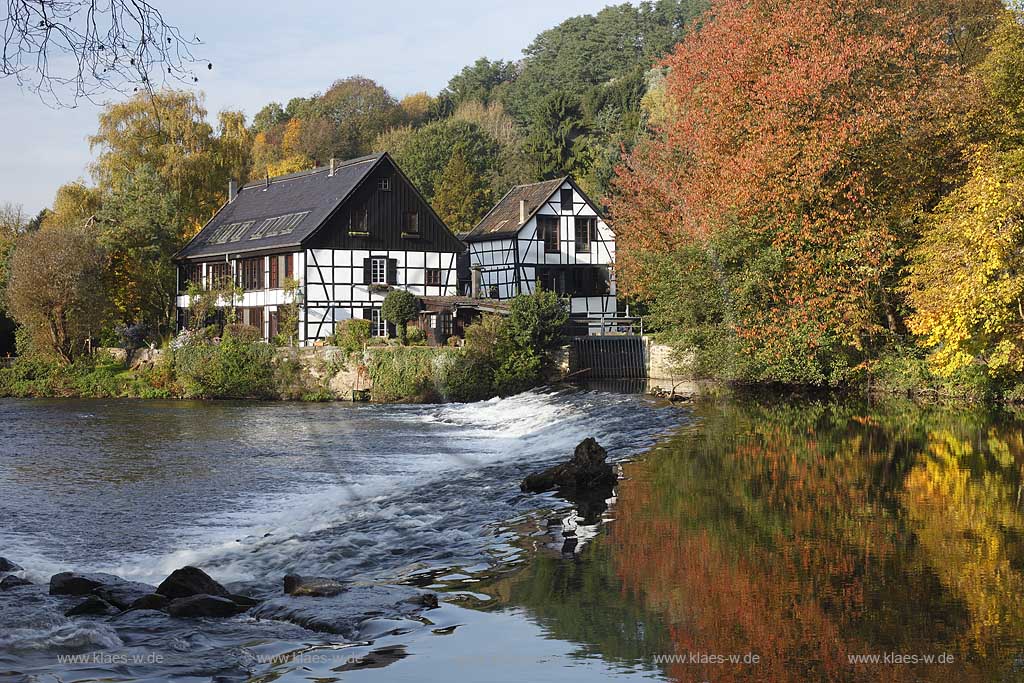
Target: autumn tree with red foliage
801	143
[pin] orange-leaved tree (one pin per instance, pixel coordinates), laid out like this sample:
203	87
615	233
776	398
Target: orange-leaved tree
812	133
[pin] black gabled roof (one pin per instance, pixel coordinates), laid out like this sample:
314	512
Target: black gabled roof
242	225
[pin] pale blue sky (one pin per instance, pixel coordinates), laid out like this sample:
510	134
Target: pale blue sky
264	51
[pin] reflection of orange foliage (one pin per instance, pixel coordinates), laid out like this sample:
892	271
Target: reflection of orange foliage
787	542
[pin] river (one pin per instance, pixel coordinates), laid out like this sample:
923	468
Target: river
773	539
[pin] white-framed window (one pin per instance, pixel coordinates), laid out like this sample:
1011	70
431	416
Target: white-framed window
384	184
378	271
378	325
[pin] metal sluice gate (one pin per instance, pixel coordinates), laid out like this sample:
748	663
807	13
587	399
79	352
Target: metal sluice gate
605	357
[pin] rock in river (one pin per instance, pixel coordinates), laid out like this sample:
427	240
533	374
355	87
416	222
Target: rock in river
189	581
316	586
150	602
121	595
92	605
73	583
11	581
204	606
8	566
587	470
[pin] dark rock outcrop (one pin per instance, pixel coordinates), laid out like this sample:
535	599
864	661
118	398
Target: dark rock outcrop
342	613
314	586
73	583
203	605
92	605
243	600
586	471
8	566
123	594
154	601
11	581
189	581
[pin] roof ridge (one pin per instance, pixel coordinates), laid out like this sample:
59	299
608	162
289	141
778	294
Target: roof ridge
313	171
539	182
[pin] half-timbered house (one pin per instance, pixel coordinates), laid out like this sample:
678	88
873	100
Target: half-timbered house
552	236
346	233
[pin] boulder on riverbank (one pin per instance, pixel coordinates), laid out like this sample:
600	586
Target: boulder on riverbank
586	471
313	586
189	581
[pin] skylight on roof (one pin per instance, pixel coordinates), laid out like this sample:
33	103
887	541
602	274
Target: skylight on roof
232	232
279	225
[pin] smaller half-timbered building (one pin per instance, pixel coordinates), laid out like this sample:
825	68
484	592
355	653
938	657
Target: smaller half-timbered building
347	233
547	235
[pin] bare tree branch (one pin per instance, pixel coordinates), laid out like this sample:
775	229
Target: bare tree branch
67	50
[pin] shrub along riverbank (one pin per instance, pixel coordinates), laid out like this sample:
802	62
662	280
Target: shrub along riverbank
500	356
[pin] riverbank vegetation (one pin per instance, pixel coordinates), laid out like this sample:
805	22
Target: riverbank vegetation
831	194
163	163
501	356
805	193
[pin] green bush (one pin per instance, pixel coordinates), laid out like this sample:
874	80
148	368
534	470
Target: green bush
403	374
235	368
415	335
351	336
520	370
469	378
400	306
243	333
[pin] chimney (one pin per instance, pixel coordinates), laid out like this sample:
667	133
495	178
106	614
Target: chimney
522	211
232	190
474	288
331	173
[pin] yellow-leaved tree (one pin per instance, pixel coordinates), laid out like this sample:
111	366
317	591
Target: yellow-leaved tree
966	279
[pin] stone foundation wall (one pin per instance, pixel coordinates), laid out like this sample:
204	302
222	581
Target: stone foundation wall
662	363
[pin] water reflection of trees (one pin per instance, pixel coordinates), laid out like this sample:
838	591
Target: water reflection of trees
806	533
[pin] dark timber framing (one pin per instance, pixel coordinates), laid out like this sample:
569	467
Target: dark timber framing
509	249
330	222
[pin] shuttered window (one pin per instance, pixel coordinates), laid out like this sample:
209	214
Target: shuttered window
379	271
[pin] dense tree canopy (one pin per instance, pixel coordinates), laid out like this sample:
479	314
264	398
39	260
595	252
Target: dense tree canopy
813	134
169	133
425	152
57	291
801	191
